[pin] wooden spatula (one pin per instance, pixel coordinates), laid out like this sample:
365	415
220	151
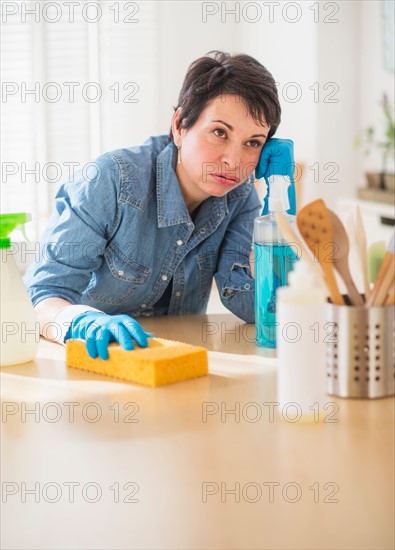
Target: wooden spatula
315	226
340	257
290	235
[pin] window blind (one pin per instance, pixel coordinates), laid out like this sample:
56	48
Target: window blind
95	83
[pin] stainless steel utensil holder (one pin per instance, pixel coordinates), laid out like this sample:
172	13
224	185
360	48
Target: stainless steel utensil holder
360	350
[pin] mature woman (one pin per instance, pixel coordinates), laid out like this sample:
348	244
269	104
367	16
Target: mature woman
146	234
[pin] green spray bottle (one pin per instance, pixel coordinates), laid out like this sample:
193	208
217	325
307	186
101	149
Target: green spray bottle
20	333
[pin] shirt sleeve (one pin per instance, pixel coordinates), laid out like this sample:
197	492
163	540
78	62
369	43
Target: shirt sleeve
73	244
235	283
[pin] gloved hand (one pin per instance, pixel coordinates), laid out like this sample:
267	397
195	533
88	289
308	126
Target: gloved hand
277	157
99	329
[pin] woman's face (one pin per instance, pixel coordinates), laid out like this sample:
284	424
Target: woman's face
220	151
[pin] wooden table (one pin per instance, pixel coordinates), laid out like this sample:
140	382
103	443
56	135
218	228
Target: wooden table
204	464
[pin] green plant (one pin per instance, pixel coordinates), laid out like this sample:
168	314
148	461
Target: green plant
367	137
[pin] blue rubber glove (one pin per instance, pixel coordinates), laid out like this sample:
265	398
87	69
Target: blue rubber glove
99	329
277	157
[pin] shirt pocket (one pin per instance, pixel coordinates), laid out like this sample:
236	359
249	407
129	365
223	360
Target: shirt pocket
207	266
117	279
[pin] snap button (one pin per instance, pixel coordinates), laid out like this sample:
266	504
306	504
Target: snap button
203	230
164	277
178	294
247	286
143	306
180	242
121	273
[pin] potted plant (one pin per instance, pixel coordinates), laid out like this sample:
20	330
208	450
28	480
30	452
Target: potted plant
367	138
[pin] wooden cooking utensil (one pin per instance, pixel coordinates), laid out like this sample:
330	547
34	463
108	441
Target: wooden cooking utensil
315	226
362	250
340	240
385	277
292	238
390	301
386	286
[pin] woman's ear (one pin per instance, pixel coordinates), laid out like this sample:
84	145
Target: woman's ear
175	129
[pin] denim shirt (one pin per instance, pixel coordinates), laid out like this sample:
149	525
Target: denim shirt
117	238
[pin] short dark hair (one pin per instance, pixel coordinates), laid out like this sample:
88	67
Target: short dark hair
220	73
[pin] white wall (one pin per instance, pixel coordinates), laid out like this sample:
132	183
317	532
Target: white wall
374	79
336	42
284	40
305	45
183	37
337	62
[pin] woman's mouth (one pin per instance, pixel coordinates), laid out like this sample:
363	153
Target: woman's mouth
226	179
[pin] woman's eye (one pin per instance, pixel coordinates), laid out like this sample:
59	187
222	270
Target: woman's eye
220	132
254	143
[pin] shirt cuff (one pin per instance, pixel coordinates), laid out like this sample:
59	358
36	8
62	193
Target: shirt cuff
239	280
63	319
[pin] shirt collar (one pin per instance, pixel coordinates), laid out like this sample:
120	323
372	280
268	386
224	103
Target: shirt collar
172	209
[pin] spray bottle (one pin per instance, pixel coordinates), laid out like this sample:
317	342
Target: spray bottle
274	259
19	327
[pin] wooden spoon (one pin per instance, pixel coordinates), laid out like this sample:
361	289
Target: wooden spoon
340	240
315	226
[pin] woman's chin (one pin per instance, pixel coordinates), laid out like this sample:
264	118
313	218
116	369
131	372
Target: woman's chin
218	190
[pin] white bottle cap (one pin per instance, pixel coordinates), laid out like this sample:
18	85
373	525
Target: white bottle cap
301	277
278	193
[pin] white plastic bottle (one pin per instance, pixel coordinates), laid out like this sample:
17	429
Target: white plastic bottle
20	332
301	348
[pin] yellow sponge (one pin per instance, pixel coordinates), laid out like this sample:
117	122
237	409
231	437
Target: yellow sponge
163	362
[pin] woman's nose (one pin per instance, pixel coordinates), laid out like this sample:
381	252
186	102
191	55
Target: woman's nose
231	156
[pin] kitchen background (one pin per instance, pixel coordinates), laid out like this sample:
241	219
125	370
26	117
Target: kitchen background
82	78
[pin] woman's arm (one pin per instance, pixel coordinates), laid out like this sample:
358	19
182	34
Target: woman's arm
46	312
235	274
73	246
55	316
252	263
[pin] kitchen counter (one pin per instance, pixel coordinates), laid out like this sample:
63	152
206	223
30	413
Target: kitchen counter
91	462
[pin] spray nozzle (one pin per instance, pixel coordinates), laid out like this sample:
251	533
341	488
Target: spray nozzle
278	196
9	222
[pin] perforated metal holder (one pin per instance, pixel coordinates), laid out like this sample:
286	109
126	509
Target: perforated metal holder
360	349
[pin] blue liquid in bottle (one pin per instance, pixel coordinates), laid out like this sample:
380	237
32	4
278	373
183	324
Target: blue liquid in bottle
273	262
274	259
